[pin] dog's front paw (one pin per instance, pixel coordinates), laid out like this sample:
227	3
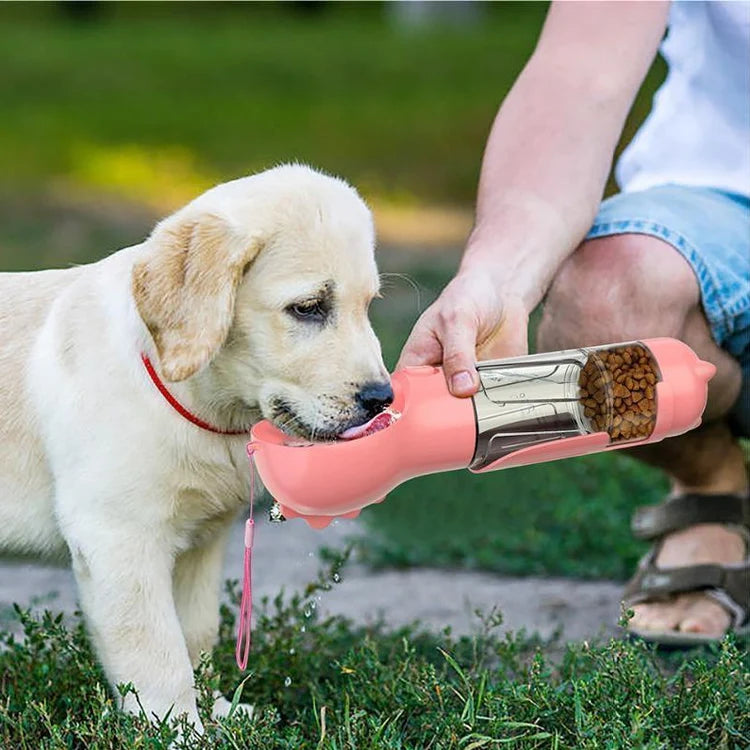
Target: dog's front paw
222	707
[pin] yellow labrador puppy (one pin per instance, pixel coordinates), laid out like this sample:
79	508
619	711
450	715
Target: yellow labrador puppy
250	302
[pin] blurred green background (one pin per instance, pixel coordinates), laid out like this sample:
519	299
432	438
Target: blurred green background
115	113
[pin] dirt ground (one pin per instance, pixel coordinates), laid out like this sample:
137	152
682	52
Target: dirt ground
286	557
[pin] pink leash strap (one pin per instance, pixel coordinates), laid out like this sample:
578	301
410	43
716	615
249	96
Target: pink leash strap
244	623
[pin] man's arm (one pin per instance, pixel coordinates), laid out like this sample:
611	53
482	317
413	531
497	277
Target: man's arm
551	146
543	174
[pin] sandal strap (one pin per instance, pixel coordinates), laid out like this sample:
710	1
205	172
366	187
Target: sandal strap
652	583
653	521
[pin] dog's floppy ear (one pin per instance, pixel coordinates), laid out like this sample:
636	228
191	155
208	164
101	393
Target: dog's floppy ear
185	289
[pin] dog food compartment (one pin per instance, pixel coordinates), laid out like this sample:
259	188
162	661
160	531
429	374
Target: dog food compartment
549	397
618	391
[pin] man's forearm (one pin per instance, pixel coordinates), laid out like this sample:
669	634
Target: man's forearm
551	146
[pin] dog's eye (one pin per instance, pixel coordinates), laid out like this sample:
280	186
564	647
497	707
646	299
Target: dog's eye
310	310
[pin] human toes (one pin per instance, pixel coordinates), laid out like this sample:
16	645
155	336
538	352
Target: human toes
704	615
657	616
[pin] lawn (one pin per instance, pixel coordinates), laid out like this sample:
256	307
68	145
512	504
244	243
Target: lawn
328	685
153	102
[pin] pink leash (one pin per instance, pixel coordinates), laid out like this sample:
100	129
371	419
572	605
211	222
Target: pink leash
244	624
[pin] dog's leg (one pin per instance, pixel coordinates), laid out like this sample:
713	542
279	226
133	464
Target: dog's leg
197	584
124	577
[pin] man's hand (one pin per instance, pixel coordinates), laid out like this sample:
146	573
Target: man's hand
473	319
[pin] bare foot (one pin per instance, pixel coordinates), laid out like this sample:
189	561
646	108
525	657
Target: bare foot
692	612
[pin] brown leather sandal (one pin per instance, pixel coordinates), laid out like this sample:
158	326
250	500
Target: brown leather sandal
729	585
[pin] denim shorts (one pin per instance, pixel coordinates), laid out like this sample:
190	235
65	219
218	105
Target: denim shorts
711	230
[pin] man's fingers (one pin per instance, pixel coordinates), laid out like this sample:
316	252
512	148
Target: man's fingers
455	353
421	348
459	360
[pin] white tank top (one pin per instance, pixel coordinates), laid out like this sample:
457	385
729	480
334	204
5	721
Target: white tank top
698	132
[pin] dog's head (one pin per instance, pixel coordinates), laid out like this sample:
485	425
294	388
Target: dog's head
261	287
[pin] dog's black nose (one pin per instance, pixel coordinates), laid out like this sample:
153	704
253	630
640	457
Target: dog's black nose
374	397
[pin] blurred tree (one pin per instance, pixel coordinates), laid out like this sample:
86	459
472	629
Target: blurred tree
81	10
308	7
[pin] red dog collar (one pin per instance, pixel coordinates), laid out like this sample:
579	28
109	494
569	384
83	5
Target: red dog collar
178	407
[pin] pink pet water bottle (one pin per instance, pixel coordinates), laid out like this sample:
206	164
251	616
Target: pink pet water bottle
527	410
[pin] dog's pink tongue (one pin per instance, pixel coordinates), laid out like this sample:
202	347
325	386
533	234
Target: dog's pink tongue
378	422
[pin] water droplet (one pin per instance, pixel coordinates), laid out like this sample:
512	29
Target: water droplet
336	578
292	651
303	629
307	611
287	682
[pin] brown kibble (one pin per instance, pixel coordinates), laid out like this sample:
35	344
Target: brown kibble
617	392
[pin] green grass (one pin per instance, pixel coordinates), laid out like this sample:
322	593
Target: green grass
567	518
326	684
154	101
